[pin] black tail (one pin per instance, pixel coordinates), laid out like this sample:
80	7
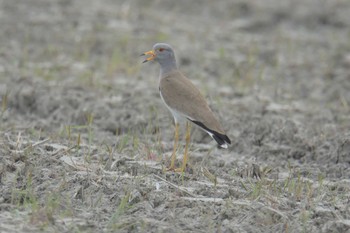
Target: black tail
221	139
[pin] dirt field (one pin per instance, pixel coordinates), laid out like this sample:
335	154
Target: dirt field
85	138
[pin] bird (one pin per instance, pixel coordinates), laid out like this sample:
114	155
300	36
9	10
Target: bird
184	101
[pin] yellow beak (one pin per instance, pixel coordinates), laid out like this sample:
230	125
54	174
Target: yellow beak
151	54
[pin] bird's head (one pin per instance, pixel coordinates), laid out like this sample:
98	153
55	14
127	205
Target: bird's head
161	52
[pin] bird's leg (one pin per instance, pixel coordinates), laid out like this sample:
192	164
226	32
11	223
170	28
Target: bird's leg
176	140
188	140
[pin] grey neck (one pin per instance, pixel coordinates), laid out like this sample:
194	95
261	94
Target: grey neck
168	66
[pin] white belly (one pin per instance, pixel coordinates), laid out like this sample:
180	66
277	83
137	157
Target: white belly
178	117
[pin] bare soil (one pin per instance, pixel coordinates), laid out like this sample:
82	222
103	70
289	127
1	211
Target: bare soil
85	139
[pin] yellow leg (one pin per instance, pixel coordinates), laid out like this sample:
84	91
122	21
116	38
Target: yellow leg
188	140
176	140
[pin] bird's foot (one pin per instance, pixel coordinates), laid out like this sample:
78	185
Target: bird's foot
180	169
170	168
176	169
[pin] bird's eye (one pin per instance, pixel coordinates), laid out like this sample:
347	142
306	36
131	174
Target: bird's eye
161	50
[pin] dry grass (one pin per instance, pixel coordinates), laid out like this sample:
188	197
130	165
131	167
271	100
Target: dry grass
290	200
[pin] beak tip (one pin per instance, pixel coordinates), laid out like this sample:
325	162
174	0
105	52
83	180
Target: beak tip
152	55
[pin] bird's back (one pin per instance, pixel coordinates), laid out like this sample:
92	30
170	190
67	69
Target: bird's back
180	94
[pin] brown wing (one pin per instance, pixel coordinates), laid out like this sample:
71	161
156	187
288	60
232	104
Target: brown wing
180	94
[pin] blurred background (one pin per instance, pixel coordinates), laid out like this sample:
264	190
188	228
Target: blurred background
294	53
